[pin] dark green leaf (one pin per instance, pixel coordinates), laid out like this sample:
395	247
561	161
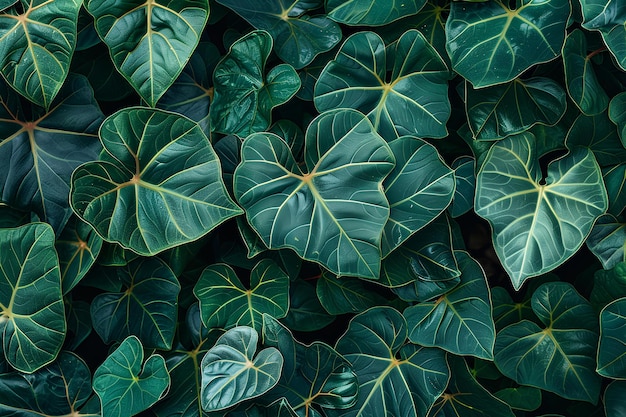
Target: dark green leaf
78	247
598	134
346	295
371	13
78	323
520	398
607	241
608	286
614	400
611	348
465	184
306	313
615	182
617	114
608	16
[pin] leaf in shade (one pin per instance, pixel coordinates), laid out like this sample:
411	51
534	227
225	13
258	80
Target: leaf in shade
346	295
599	135
465	177
306	313
608	286
607	241
611	352
617	114
371	13
607	16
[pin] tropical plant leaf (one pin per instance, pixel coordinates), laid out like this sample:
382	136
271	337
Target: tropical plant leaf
244	95
225	302
598	134
608	286
490	43
126	384
460	321
146	308
607	16
346	295
520	398
560	357
130	198
78	319
387	367
617	114
494	112
615	181
320	232
611	353
32	317
299	38
614	404
419	188
49	146
506	311
371	13
465	184
581	80
232	373
538	223
412	101
150	42
36	47
306	313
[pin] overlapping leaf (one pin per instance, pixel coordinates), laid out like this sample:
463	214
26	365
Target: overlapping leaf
36	47
333	214
32	317
151	41
157	184
560	357
617	114
346	295
465	184
490	43
615	182
608	286
598	134
607	16
537	223
614	401
612	344
371	13
413	100
298	37
225	302
78	247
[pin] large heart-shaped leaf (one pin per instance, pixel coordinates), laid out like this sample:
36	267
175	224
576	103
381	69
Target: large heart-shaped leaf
387	368
298	37
232	373
59	389
560	357
607	241
494	112
147	308
157	184
38	152
490	43
371	13
244	95
334	214
460	321
36	47
598	134
150	41
312	375
608	16
538	223
611	353
581	81
32	317
413	100
418	189
126	384
225	302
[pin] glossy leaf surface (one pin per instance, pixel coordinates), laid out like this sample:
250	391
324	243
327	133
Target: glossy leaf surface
614	403
607	16
490	43
611	356
598	134
340	207
537	223
157	168
371	13
607	241
465	183
617	114
559	357
150	42
346	295
78	247
32	317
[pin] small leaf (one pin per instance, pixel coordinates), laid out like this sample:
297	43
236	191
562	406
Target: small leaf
611	352
465	180
614	401
346	295
126	384
371	13
615	182
560	357
306	313
156	185
599	135
32	317
607	16
520	398
78	247
231	373
608	286
78	323
607	241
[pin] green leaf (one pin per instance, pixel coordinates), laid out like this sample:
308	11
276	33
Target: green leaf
608	286
231	373
341	209
614	401
465	184
244	94
506	311
126	384
611	352
413	100
79	326
520	398
156	185
313	375
465	397
388	368
49	146
598	134
617	114
460	321
150	42
59	389
32	317
490	43
607	241
78	247
608	16
225	302
419	188
615	182
560	357
306	313
346	295
496	112
581	80
371	13
147	308
538	223
298	37
36	47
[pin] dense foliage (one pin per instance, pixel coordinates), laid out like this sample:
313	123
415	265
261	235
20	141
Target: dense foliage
312	208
